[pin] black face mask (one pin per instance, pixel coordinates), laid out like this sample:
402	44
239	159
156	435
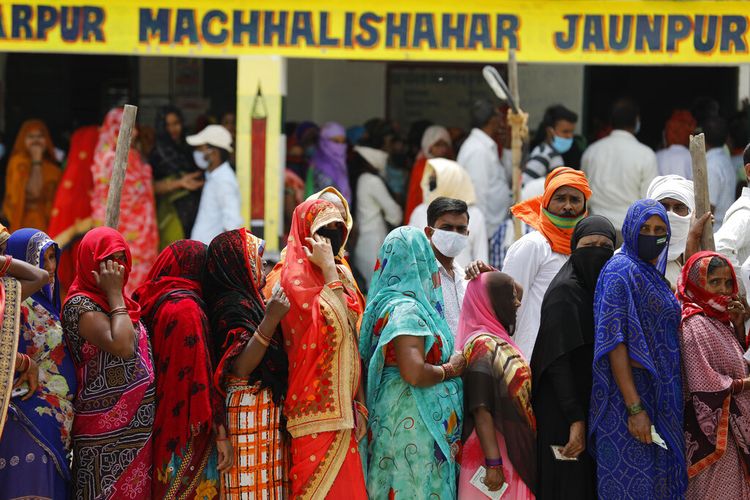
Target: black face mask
588	263
650	247
336	236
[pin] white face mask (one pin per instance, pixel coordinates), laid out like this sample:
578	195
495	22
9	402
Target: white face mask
680	227
449	243
200	160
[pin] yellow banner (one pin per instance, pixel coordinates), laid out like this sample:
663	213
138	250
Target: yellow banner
584	31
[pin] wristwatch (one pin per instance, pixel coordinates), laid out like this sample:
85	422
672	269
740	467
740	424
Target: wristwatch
635	409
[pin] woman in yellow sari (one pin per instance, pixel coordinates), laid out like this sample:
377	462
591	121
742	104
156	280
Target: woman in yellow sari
32	178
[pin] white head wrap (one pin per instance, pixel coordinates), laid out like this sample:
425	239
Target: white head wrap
431	136
680	189
375	157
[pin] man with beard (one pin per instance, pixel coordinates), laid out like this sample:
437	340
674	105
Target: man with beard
535	259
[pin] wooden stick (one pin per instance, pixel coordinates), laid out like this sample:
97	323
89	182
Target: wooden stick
517	137
700	185
122	152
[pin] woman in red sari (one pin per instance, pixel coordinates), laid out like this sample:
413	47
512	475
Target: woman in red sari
189	421
114	404
71	210
320	338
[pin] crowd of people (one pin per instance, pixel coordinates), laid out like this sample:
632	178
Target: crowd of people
599	354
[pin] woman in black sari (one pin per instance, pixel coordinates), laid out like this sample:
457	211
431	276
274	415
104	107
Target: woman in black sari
177	180
561	365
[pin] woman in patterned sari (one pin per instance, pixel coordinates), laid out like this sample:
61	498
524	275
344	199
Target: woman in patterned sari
637	374
320	338
138	208
252	368
114	405
414	390
189	421
717	413
36	441
500	428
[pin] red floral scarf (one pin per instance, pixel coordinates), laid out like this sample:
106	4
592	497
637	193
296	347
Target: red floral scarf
692	293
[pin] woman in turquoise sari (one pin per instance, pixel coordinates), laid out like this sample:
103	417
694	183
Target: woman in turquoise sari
414	390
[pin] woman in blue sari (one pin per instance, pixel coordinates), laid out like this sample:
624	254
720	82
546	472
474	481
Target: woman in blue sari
414	390
637	377
36	442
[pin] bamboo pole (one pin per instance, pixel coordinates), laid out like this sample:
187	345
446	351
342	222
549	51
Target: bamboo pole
112	218
519	131
700	185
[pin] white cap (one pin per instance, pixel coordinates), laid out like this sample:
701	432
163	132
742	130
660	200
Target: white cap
213	135
375	157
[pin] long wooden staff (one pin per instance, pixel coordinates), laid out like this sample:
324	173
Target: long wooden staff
112	218
519	132
700	185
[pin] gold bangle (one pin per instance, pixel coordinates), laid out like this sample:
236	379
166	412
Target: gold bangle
260	339
442	371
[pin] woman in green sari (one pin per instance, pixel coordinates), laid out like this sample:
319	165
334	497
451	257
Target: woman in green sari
414	389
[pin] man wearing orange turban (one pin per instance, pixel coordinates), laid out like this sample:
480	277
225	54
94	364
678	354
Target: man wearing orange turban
675	158
535	259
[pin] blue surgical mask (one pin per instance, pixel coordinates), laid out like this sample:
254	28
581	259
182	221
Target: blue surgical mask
561	144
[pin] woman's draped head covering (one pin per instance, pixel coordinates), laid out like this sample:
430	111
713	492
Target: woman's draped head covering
567	315
232	283
330	157
96	247
586	264
453	181
691	288
488	307
301	279
178	267
19	147
406	280
334	196
638	213
533	211
679	127
432	135
30	245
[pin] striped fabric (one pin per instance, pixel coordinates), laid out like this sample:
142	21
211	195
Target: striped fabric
260	451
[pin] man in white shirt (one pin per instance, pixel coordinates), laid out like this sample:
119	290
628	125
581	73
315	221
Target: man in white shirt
448	232
675	158
535	259
733	238
480	157
721	174
558	127
619	167
219	208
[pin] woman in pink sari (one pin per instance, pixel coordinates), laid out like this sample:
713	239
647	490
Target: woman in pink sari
137	206
499	425
115	400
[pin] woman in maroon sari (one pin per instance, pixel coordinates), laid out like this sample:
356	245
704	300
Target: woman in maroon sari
114	404
717	379
189	422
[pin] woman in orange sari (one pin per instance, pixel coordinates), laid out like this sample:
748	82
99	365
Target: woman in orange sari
320	339
32	178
